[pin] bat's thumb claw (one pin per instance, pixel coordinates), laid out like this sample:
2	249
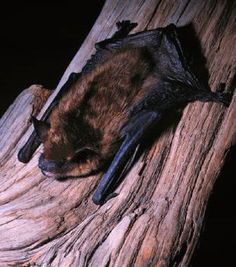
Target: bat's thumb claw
99	200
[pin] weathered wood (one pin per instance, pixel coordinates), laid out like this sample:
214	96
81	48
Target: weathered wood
157	217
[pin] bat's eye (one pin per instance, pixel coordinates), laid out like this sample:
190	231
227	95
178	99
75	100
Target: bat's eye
83	154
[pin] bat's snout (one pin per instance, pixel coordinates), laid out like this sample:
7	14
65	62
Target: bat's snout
48	167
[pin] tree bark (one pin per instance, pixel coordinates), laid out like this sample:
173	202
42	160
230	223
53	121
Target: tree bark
157	217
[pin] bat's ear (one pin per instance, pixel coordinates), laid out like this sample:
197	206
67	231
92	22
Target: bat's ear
41	128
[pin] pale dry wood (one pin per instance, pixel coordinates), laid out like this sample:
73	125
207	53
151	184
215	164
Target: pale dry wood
157	217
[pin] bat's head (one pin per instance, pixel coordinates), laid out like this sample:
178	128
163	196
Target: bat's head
61	156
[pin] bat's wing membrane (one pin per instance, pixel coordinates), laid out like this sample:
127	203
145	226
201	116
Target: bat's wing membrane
104	48
172	61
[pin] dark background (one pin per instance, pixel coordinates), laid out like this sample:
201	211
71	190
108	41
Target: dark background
38	41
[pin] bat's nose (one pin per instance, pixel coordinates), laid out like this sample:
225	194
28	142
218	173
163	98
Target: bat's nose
48	165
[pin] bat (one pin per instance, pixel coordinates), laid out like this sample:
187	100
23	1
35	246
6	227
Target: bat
102	114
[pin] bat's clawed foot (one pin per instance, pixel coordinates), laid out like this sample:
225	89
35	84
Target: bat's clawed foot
218	96
126	25
123	29
224	98
223	95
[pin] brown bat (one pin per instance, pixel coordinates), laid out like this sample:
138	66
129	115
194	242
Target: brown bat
103	113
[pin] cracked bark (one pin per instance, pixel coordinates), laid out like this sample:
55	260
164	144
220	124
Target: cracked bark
157	217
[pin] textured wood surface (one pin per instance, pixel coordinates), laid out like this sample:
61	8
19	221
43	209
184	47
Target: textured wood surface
157	216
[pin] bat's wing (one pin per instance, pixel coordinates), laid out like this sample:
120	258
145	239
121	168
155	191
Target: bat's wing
133	133
167	51
102	53
171	59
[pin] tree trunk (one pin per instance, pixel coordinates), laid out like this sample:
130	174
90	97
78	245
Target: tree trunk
157	216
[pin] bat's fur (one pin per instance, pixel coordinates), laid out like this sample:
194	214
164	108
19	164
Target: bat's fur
85	126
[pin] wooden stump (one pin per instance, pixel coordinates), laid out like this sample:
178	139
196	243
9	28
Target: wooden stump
157	216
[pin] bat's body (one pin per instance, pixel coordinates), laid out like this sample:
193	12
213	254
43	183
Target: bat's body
121	93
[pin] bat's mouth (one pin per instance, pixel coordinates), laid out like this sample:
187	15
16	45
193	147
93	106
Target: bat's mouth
49	174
